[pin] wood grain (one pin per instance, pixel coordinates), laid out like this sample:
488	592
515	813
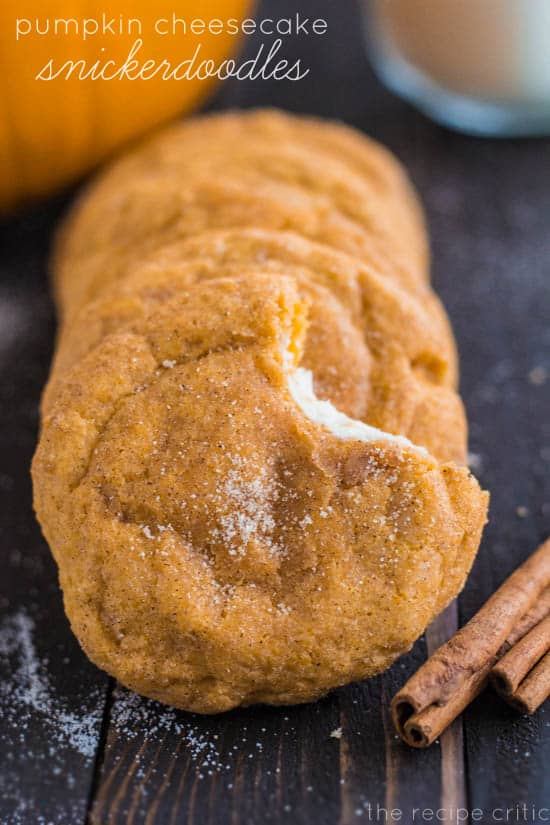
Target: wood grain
51	697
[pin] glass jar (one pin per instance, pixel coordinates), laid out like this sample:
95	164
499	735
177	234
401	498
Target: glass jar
480	66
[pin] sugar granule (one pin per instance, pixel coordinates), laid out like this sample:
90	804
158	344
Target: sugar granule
28	691
135	716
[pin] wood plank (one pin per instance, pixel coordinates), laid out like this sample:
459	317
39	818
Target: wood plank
51	697
453	783
251	765
491	255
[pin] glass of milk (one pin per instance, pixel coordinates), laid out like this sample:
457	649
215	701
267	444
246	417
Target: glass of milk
481	66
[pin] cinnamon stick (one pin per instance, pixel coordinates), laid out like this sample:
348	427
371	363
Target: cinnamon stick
534	689
459	669
539	611
514	667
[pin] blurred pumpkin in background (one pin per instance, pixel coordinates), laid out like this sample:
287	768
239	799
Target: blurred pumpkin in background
52	131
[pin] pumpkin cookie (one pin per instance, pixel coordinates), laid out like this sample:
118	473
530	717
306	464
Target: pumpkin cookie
237	171
398	353
222	537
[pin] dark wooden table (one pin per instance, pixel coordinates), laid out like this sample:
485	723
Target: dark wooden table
76	748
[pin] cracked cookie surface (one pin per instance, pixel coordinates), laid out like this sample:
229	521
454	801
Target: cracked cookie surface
216	547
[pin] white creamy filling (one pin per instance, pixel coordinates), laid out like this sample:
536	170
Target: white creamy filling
300	384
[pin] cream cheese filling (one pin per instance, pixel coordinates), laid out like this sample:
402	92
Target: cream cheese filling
324	413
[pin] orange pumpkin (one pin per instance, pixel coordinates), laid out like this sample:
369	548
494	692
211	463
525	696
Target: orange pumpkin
51	131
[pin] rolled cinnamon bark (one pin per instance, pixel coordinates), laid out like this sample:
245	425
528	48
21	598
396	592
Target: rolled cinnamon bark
422	728
538	612
459	669
514	667
534	689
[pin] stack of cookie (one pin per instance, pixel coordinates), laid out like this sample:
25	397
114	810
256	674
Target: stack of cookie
251	467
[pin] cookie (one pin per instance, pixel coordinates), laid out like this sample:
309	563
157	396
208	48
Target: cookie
230	171
398	353
216	545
